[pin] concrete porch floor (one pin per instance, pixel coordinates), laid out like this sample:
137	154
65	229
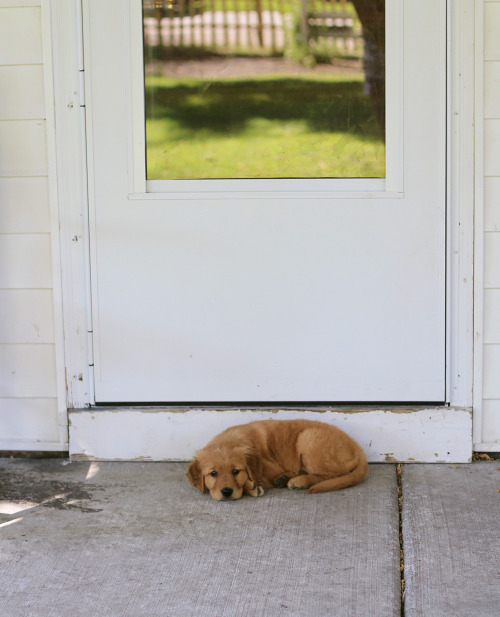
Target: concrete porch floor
136	539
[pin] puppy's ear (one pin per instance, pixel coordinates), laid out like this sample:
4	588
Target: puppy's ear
195	476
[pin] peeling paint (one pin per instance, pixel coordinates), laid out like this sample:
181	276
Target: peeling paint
273	410
88	458
174	434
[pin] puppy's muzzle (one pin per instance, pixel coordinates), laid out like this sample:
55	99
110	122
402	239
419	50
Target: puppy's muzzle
226	492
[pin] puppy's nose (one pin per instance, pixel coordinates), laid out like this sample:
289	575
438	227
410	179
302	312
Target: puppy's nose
227	492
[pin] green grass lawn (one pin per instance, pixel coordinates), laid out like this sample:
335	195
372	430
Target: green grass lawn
271	127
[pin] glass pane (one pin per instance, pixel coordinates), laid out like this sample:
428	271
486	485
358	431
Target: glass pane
264	88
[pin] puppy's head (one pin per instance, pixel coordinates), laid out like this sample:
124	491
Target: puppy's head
223	471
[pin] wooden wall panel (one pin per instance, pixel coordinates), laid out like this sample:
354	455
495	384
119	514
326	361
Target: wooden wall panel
23	148
29	412
492	146
26	316
492	317
25	261
492	260
492	202
28	419
25	205
490	418
491	377
491	24
22	92
491	421
492	89
19	3
20	35
27	371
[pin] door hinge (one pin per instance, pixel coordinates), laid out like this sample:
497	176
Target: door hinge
81	87
81	56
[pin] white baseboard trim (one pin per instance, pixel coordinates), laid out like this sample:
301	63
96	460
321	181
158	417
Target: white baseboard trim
437	434
32	445
487	447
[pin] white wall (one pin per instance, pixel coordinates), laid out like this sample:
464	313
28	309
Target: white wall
29	418
491	356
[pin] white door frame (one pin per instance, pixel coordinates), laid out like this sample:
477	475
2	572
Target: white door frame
62	32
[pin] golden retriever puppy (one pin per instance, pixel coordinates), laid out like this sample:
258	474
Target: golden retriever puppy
249	458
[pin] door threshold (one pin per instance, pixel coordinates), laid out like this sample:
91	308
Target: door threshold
271	404
403	433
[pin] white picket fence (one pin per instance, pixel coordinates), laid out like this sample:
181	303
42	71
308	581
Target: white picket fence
199	24
220	29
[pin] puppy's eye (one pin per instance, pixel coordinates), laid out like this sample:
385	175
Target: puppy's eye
213	474
236	472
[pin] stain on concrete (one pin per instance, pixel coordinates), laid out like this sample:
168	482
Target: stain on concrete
46	493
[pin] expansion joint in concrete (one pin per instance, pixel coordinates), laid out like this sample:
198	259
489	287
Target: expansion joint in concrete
401	540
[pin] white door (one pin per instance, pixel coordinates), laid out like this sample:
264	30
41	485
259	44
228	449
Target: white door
288	290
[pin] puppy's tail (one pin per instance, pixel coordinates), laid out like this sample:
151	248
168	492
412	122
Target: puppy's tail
357	475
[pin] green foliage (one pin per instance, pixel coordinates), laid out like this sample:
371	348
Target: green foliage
318	50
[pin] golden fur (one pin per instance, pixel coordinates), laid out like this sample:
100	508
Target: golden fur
249	458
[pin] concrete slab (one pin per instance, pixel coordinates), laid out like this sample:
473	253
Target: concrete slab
451	539
130	539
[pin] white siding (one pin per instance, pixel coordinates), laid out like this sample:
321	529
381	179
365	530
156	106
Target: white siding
20	35
491	355
25	205
28	387
22	92
26	316
24	160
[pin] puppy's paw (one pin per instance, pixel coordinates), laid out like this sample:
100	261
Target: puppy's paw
281	481
299	482
254	489
257	491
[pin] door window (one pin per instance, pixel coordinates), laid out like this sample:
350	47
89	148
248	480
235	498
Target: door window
275	89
